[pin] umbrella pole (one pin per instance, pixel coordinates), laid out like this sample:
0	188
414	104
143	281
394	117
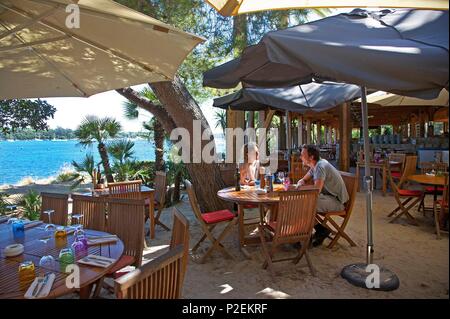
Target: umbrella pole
368	179
368	275
288	139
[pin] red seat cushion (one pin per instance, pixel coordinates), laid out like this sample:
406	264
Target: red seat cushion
442	203
409	193
272	225
250	206
217	216
396	174
124	261
430	189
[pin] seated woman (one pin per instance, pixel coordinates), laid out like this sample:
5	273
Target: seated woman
250	168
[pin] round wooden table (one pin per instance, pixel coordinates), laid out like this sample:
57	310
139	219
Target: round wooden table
248	196
428	180
34	249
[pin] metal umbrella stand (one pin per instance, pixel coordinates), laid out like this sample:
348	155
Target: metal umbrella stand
369	275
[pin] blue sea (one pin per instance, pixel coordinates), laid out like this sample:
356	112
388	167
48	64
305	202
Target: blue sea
42	159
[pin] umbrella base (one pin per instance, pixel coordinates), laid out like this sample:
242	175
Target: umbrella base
356	274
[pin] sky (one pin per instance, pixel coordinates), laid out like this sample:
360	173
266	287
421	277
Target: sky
71	111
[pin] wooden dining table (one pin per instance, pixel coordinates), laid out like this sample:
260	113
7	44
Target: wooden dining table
431	180
35	248
246	197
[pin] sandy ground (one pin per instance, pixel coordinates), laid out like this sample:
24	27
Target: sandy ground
412	252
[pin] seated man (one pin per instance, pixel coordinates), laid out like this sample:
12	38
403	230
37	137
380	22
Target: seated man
333	193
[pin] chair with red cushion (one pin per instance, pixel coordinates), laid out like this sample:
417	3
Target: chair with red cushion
403	197
440	209
208	221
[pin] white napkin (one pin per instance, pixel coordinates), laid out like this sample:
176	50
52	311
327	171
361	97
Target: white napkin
97	261
102	240
43	289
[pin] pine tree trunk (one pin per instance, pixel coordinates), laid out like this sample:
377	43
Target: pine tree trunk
159	145
105	161
183	109
176	191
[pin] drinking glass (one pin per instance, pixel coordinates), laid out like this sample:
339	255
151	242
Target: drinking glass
66	258
257	184
286	183
47	264
26	273
60	232
79	247
18	228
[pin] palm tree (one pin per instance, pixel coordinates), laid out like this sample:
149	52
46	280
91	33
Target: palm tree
99	129
83	170
121	150
221	120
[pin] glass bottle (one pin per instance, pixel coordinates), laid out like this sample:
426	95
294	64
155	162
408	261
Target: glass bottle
237	177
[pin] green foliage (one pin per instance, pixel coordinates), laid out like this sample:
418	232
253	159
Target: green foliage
97	129
17	113
221	120
121	150
197	17
3	203
83	171
31	205
64	177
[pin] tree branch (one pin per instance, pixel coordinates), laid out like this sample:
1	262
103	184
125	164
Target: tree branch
157	110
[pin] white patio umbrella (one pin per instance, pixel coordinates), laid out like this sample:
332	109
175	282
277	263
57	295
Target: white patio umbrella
388	99
235	7
114	47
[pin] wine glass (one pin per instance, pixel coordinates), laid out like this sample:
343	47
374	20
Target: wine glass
77	217
49	231
49	213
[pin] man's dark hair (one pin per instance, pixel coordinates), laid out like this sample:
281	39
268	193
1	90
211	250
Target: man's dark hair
313	151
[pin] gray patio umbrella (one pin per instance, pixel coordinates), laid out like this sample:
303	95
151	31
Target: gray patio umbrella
315	97
403	52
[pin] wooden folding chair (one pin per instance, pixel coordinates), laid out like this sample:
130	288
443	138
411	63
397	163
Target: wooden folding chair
397	171
208	221
132	190
440	208
326	218
92	209
161	278
125	190
126	220
404	194
294	224
59	204
160	199
180	236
